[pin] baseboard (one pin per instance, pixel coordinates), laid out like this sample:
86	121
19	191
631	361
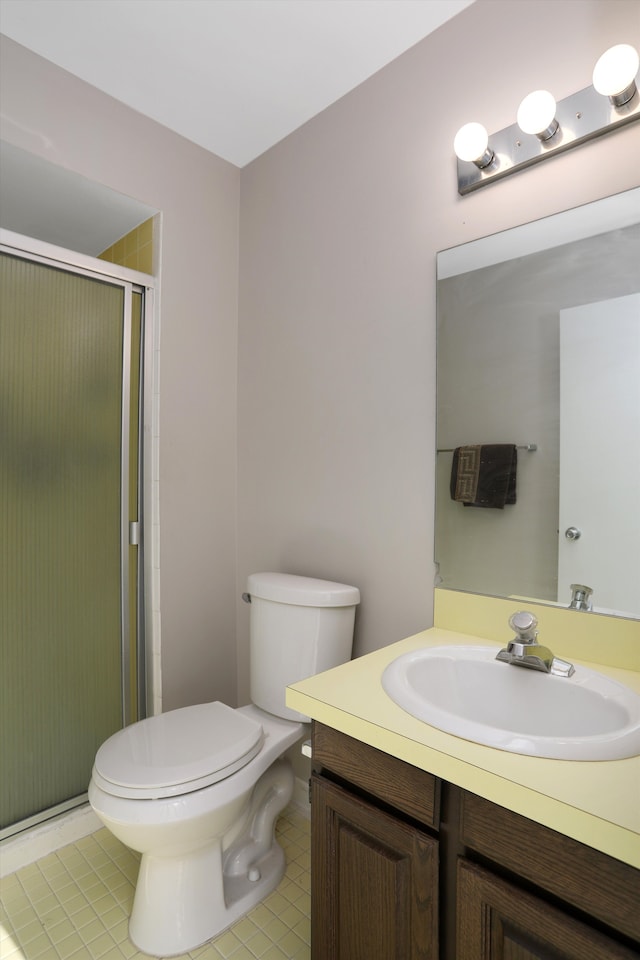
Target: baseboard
27	847
300	800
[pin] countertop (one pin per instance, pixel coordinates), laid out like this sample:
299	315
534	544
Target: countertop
594	802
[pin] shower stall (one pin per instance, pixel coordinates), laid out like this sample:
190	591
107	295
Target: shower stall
72	340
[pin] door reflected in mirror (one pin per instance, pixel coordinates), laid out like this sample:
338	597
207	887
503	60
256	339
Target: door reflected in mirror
539	347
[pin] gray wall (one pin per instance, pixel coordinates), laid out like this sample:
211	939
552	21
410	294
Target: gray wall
340	224
335	328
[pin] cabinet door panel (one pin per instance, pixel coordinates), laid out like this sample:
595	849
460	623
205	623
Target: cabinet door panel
374	882
498	921
589	880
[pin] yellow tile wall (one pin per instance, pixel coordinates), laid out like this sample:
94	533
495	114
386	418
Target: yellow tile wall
612	641
134	250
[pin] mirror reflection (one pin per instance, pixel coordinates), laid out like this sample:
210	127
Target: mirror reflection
538	410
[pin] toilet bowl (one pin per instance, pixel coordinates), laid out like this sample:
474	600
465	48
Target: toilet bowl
197	791
208	855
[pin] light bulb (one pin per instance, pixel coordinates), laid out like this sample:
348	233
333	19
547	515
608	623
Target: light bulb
615	72
471	144
537	114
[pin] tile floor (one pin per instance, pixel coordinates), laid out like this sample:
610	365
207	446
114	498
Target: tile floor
74	905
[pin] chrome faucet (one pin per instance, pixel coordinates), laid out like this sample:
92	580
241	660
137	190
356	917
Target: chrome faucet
580	597
525	651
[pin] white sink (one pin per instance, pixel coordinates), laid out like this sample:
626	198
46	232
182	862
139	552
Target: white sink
465	691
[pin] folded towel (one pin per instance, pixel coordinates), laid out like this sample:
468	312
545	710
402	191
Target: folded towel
484	475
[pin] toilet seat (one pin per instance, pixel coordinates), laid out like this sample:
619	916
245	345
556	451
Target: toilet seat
177	752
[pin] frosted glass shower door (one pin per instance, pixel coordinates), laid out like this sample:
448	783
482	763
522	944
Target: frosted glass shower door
63	337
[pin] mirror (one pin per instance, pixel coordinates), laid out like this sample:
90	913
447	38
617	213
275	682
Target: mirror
539	347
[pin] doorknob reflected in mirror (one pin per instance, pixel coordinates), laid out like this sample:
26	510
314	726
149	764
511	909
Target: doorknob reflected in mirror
572	533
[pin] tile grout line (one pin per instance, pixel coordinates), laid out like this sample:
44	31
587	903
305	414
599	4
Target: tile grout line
51	913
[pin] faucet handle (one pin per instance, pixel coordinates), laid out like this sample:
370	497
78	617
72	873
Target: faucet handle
580	597
524	624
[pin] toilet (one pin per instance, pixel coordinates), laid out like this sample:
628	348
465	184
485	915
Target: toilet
197	791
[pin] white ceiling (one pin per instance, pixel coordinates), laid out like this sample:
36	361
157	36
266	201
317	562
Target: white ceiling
234	76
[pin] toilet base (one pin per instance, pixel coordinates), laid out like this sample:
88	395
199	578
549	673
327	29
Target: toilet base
182	902
159	934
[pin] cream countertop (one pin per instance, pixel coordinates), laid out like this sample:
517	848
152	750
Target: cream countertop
596	803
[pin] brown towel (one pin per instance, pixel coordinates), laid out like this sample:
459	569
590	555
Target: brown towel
484	475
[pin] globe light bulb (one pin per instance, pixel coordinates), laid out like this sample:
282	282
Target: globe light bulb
537	114
615	72
471	144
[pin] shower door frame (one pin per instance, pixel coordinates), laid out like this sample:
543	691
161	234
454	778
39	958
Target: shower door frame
142	533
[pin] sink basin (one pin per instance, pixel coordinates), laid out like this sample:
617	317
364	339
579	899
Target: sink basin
465	691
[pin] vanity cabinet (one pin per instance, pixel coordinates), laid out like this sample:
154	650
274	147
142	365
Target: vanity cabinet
408	867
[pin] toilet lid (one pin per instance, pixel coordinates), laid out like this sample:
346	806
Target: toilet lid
177	752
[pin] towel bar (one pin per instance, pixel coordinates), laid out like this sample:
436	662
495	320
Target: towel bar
519	446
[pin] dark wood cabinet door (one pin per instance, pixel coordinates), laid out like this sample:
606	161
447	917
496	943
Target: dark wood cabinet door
498	921
374	893
595	884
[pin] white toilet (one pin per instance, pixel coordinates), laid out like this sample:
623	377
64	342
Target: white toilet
197	791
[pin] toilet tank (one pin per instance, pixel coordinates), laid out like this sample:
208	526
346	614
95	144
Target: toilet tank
299	626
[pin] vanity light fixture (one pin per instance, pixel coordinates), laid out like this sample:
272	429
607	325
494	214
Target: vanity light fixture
537	115
614	75
471	144
545	127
